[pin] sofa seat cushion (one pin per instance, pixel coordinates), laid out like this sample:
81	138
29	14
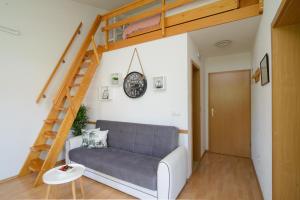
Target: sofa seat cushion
132	167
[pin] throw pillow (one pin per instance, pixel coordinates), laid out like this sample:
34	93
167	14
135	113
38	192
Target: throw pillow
86	136
98	139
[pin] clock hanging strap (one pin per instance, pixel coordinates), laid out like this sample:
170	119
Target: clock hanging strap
137	53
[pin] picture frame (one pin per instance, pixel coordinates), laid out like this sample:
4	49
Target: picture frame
159	83
116	79
105	93
264	70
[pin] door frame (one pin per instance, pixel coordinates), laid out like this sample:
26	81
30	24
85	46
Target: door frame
195	68
208	108
285	106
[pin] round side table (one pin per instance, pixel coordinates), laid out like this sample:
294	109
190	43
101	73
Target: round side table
56	177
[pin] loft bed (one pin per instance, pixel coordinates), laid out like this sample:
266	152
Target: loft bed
132	29
144	20
148	17
141	26
150	23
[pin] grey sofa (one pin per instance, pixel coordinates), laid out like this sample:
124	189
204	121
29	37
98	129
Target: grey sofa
132	158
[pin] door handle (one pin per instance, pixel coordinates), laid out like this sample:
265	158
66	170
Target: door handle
212	111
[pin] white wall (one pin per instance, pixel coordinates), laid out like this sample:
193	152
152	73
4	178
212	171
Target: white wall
232	62
26	62
262	104
166	57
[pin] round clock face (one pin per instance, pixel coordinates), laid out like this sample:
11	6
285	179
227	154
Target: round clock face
135	85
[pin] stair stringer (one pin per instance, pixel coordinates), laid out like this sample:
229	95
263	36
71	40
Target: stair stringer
66	125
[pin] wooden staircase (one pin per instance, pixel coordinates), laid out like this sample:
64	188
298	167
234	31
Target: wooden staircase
55	130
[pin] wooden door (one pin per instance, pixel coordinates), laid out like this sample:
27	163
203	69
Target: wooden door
229	113
196	119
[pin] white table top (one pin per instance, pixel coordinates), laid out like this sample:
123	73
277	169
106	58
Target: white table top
55	176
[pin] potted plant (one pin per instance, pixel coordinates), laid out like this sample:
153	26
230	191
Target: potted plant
80	121
115	79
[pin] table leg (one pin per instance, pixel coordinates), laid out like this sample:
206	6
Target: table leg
73	190
48	191
81	187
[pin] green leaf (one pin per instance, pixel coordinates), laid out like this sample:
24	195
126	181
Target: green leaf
80	121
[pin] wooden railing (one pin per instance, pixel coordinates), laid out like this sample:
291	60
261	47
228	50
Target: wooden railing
59	63
78	60
190	18
164	7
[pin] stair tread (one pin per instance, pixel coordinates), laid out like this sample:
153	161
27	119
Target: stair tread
36	165
52	121
80	75
84	66
75	85
50	134
41	147
63	109
87	60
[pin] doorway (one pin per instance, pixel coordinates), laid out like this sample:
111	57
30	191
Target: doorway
229	113
196	116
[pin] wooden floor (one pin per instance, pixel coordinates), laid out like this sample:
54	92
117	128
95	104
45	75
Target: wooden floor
221	177
217	177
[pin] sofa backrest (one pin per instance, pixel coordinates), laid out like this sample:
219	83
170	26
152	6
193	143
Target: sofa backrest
153	140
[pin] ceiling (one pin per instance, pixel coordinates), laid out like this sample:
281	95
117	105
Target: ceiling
242	34
105	4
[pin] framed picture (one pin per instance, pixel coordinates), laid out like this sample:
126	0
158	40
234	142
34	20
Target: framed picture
105	93
159	83
264	70
116	79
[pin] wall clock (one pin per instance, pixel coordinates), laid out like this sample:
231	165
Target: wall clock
135	85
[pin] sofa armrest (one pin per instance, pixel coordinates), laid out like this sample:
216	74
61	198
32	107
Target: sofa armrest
72	143
172	174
